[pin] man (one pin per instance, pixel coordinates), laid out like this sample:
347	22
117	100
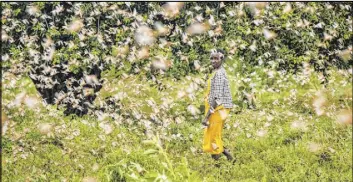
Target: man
218	103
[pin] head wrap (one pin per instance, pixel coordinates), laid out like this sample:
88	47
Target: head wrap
219	53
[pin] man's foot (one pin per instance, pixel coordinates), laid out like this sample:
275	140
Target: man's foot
215	156
228	155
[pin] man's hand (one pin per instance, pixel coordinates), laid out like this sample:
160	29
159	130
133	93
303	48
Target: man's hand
205	121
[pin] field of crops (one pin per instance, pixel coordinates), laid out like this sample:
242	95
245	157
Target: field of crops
113	91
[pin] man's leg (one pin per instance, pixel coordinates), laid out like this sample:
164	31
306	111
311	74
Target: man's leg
215	156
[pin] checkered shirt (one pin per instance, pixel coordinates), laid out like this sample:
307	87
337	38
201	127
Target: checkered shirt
220	90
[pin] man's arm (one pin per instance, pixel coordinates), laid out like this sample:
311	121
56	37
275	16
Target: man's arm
204	121
215	100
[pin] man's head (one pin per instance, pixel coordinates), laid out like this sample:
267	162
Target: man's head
217	57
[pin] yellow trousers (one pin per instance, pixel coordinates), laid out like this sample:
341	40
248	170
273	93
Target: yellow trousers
212	141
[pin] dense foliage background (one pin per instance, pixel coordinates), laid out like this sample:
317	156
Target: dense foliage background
83	84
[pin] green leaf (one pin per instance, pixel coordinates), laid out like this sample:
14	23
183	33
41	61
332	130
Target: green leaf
150	152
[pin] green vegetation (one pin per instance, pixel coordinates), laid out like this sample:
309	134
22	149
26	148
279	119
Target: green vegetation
289	67
275	142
